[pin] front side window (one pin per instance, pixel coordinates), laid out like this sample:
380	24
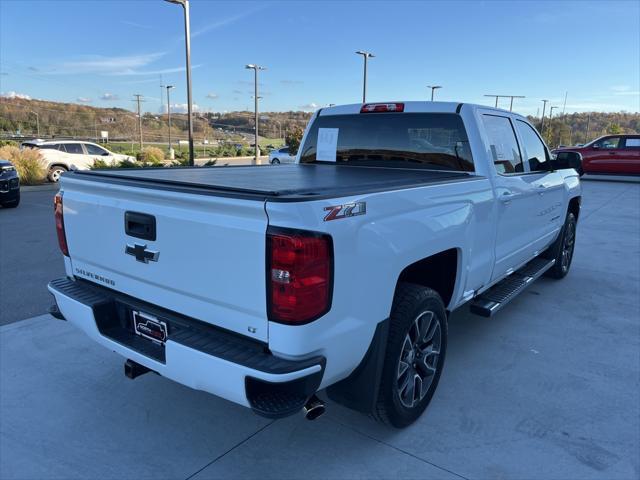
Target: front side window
534	150
406	140
74	148
610	142
95	150
503	144
284	150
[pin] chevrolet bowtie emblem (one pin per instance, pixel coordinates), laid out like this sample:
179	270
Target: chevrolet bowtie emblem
141	253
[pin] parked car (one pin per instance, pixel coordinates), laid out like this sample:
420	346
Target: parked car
611	154
281	155
9	185
337	272
63	155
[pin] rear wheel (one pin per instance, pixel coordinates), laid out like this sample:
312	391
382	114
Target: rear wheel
562	248
414	356
55	172
275	161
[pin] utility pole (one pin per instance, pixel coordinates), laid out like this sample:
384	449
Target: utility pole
586	135
255	69
138	100
37	122
366	56
433	88
549	129
544	108
564	105
171	154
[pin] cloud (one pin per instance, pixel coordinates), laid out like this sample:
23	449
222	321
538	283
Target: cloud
84	100
212	96
103	65
624	90
109	97
182	107
238	92
133	82
309	106
225	21
136	24
12	94
291	82
156	72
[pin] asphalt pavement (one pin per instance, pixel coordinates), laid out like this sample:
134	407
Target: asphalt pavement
548	388
29	255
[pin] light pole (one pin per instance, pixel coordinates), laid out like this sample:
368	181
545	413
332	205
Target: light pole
544	107
169	87
187	42
497	97
37	122
549	130
366	56
433	89
255	69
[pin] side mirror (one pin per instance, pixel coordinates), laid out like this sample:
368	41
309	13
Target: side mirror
569	160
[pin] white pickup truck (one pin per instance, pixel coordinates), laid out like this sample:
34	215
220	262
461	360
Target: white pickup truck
265	285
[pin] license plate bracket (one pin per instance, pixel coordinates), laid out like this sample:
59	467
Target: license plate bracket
149	327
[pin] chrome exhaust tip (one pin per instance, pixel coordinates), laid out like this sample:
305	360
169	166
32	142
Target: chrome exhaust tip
314	408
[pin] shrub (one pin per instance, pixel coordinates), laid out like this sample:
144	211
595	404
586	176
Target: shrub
10	143
28	163
151	155
102	164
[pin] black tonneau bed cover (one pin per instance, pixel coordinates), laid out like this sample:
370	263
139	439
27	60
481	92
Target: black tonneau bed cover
282	183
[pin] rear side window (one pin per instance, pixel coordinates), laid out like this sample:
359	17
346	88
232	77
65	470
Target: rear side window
51	146
503	144
75	148
534	150
632	142
406	140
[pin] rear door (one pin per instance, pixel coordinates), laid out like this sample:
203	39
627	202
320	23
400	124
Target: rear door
206	259
516	192
630	163
77	156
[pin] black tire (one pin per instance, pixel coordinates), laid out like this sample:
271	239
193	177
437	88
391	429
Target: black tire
275	161
415	309
12	203
54	173
562	249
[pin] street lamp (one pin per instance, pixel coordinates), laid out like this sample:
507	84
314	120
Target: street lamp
187	42
169	87
37	122
255	69
365	55
544	107
433	89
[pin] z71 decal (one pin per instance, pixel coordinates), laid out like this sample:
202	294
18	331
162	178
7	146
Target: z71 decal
344	211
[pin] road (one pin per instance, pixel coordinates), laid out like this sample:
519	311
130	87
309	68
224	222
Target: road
548	388
29	255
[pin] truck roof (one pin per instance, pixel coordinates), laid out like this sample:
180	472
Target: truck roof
411	107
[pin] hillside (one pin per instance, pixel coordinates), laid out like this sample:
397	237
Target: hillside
18	116
81	121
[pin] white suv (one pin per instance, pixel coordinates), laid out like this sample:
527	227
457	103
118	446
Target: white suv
63	155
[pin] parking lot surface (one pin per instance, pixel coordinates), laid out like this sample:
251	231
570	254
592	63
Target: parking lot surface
548	388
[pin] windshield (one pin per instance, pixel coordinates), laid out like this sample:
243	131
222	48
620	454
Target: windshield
408	140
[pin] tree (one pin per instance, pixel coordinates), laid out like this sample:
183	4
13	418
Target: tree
293	139
614	129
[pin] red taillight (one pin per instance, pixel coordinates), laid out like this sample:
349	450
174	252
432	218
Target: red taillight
382	107
299	275
62	238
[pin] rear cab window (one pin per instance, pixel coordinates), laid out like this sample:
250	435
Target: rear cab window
403	140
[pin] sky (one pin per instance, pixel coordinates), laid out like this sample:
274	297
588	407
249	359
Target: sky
102	52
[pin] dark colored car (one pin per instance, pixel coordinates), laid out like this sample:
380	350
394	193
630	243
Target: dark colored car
9	185
613	154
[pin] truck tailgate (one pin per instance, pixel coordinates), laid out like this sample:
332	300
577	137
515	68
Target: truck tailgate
211	251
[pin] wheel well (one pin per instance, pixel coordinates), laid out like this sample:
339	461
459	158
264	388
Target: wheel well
58	165
437	272
574	206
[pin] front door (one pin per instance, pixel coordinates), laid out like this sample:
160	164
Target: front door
516	192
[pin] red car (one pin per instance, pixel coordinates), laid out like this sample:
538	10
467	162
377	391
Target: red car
618	154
